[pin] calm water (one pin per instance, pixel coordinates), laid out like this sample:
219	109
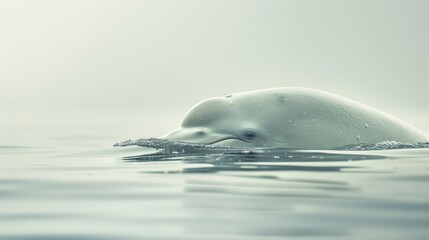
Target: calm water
52	193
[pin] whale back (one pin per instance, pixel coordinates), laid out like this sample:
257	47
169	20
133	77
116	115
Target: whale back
310	119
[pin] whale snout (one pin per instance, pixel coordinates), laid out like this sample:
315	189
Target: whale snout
201	136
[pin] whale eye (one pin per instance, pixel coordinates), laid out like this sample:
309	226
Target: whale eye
200	133
249	134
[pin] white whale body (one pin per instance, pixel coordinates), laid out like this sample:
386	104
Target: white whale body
296	118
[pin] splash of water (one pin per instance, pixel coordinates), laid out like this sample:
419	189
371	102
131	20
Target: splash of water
218	158
386	145
171	146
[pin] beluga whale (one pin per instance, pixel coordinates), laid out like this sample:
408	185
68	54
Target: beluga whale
289	117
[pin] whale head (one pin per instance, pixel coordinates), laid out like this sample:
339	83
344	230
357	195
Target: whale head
216	121
234	120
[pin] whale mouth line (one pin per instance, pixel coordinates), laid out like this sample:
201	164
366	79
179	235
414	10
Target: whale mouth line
225	139
203	138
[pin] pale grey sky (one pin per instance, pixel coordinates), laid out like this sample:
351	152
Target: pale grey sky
140	65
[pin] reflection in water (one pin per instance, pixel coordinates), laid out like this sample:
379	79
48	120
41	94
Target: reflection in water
260	160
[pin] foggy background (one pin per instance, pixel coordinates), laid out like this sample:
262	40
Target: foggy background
97	72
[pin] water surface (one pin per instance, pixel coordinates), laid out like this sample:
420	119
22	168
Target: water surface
119	193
